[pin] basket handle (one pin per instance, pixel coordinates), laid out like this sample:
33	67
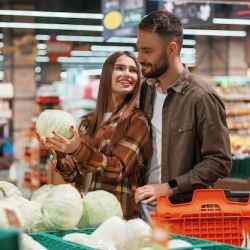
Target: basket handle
201	197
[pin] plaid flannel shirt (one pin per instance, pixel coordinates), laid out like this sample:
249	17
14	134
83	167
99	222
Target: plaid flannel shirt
119	169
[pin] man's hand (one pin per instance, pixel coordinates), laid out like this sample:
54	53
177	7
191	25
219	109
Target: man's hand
149	193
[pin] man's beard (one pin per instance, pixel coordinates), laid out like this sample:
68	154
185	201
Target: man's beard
157	71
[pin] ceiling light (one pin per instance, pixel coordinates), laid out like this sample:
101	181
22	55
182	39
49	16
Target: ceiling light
231	21
196	32
89	53
51	14
111	48
81	59
42	59
50	26
42	52
42	37
41	46
80	38
189	42
188	51
92	72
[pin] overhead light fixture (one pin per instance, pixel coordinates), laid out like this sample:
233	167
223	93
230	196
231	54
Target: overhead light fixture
231	21
92	72
81	59
188	51
51	26
89	53
42	59
51	14
42	53
197	32
111	48
80	38
41	46
40	37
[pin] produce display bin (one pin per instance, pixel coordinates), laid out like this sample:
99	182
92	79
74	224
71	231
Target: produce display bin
53	240
210	215
62	233
10	239
202	244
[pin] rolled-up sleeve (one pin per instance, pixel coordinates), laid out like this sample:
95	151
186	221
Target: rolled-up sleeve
126	155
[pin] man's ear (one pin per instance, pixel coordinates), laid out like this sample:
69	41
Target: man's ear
172	48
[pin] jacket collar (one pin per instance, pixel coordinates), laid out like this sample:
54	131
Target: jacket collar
179	86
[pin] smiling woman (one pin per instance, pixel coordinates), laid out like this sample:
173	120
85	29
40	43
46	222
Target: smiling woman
112	145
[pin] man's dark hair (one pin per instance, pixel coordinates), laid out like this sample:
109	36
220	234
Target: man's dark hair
164	24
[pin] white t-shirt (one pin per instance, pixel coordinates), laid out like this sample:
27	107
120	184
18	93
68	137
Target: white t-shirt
156	123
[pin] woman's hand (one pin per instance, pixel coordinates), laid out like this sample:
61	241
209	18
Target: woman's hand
39	139
61	144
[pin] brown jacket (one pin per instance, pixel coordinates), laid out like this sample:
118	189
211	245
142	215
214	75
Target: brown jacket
195	138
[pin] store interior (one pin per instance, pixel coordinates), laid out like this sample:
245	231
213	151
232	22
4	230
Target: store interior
51	54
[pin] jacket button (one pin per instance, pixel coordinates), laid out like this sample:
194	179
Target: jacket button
179	130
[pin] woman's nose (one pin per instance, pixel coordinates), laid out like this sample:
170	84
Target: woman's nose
126	73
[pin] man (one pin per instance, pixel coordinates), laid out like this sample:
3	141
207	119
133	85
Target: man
190	133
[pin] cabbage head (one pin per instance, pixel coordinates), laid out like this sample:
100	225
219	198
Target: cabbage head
138	234
54	120
7	189
16	201
5	221
62	209
113	229
41	193
32	218
98	206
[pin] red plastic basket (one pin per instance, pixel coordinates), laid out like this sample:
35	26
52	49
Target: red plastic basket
210	215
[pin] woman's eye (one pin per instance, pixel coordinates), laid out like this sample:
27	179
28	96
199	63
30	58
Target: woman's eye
118	67
134	71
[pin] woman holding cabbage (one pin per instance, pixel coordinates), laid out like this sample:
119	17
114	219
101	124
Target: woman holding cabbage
112	145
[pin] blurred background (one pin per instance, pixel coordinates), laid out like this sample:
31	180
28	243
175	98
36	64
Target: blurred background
51	55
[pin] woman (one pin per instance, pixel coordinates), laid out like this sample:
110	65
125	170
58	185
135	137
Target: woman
112	145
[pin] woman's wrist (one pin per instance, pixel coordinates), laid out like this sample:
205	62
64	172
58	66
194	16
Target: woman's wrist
76	150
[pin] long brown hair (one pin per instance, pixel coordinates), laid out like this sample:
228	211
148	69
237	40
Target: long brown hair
104	99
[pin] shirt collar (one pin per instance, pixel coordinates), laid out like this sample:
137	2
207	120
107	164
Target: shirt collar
180	85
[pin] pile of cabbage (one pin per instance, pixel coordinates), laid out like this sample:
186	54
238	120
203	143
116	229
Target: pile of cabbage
50	208
61	207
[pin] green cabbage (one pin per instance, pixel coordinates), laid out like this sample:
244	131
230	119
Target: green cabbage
41	193
32	218
5	221
54	120
113	229
16	201
7	189
138	234
62	209
98	206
